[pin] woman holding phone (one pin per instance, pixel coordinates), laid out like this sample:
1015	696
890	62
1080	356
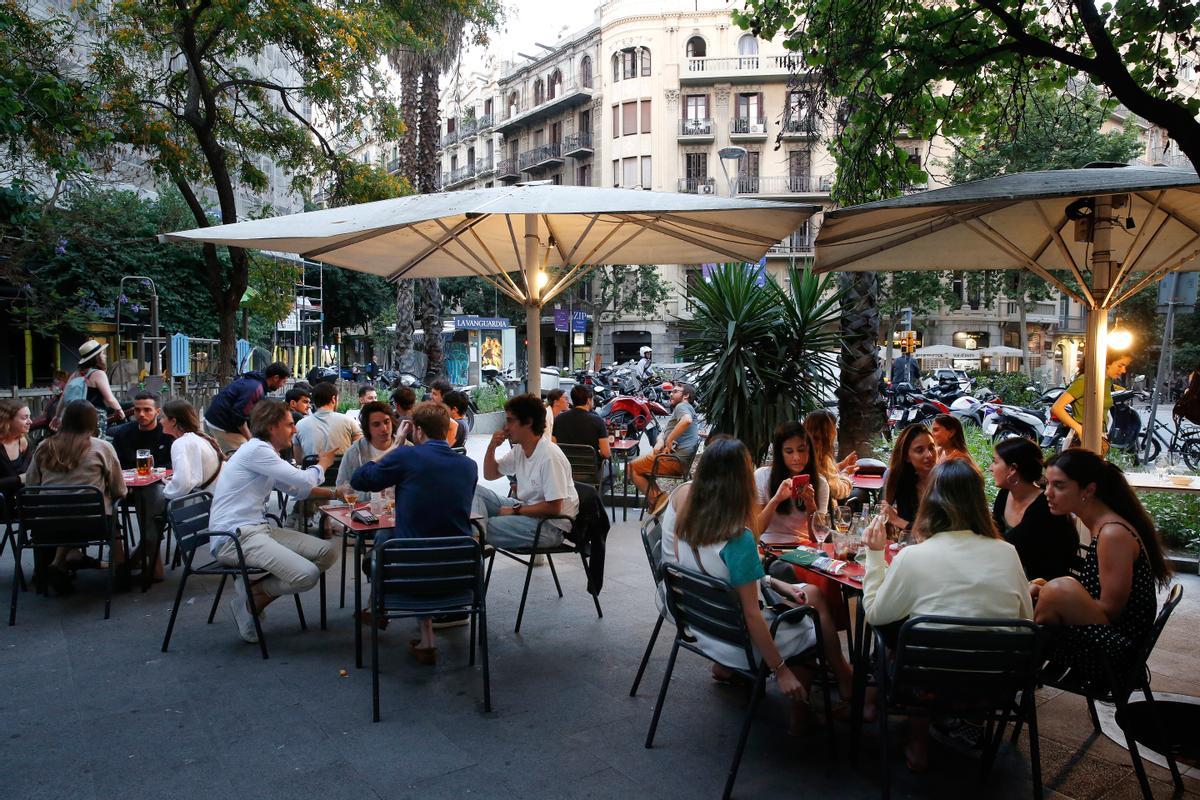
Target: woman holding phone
790	490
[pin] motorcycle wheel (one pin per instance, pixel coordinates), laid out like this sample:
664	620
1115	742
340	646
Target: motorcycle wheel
1191	452
1006	432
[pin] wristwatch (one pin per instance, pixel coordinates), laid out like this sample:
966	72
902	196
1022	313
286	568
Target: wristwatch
517	509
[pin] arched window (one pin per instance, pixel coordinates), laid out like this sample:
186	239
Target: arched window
554	85
585	72
539	92
616	67
513	104
748	45
645	58
696	47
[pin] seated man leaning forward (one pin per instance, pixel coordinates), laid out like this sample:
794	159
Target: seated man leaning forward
544	485
294	560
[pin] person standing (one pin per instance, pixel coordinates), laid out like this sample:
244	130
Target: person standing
544	484
326	428
906	370
1075	394
293	560
90	383
227	416
681	439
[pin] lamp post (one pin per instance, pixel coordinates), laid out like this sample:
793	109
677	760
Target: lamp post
735	154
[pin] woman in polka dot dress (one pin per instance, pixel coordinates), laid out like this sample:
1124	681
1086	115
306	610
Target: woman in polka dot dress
1110	607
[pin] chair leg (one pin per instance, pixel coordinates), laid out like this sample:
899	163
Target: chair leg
300	612
885	765
1092	712
554	574
587	571
376	610
487	579
483	654
112	573
321	584
342	591
662	693
471	657
1035	746
646	656
18	578
760	688
212	612
175	608
524	594
262	640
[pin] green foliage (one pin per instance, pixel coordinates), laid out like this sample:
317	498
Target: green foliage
901	70
272	291
489	398
1012	387
763	355
620	289
352	299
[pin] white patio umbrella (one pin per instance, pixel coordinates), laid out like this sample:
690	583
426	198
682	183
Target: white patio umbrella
1001	351
548	235
945	351
1112	230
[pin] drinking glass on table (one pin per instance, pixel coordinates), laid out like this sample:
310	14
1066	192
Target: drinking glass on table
350	495
821	527
145	462
842	518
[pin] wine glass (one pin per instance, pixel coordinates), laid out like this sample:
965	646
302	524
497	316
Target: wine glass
821	527
842	518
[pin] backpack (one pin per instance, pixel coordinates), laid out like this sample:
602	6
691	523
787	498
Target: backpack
1188	406
76	389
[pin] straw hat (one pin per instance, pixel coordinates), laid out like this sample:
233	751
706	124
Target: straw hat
90	349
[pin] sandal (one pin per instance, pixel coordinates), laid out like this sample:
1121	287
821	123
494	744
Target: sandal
85	562
426	656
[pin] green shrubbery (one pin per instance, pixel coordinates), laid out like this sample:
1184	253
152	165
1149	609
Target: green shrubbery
489	398
1012	387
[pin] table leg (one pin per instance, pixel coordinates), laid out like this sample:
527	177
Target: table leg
860	662
625	490
358	662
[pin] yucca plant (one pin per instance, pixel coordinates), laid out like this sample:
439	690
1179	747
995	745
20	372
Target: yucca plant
763	354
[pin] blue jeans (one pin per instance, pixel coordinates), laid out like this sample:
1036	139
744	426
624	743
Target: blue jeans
512	530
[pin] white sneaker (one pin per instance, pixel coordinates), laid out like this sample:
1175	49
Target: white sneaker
242	615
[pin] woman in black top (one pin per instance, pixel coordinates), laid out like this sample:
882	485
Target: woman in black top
15	450
1047	543
907	476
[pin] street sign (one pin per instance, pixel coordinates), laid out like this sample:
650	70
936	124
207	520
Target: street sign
580	322
1184	285
468	323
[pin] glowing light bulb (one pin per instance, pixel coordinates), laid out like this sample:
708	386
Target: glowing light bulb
1119	339
542	279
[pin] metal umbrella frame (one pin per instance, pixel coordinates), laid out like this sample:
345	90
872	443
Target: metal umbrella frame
1112	229
529	242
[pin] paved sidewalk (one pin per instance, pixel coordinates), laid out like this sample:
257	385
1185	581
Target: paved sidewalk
93	709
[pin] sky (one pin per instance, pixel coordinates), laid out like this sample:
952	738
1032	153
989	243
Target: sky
529	21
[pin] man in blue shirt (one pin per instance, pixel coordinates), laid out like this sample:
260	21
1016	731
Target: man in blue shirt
228	415
434	488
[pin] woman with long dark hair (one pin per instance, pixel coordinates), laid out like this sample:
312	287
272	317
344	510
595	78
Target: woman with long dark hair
948	436
791	489
1112	604
960	568
74	457
907	476
196	457
1047	543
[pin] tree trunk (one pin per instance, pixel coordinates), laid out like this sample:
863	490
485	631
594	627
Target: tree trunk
859	404
1024	331
427	294
429	300
409	104
404	322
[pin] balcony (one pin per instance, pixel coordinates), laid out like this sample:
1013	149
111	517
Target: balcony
785	185
484	167
800	128
450	138
459	176
393	165
747	128
468	128
739	69
508	170
799	244
578	145
544	157
566	97
700	185
484	124
696	130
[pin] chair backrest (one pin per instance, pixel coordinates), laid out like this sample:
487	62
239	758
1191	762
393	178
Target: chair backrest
330	474
429	567
1173	598
652	541
705	605
63	515
461	450
585	462
189	520
960	661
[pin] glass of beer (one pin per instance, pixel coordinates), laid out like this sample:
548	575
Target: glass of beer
145	462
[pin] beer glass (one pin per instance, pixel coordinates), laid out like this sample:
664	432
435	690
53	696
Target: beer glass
145	462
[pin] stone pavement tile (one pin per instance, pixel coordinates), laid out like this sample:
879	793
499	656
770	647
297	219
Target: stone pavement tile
1065	720
1075	773
399	750
469	782
1130	789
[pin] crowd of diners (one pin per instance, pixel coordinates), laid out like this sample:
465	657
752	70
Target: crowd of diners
1064	542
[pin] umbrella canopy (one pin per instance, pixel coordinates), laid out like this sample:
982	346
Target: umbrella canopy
549	235
944	351
1001	351
1098	234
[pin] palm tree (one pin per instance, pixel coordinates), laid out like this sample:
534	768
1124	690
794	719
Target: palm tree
860	408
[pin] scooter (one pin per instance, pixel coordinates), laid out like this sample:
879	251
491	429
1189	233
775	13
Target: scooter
1007	422
635	414
908	407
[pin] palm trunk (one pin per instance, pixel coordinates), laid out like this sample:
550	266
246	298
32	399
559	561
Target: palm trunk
404	322
428	294
859	405
429	300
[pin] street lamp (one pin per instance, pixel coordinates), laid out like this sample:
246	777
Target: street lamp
735	154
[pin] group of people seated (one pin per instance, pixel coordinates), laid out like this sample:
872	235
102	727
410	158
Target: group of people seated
1016	557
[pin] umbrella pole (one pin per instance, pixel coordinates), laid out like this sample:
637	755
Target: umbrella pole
533	309
1095	358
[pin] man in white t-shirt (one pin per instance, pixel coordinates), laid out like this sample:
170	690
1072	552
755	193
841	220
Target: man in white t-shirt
366	394
325	429
543	475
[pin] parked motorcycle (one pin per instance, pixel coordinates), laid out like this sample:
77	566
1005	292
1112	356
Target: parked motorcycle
635	414
909	407
1007	422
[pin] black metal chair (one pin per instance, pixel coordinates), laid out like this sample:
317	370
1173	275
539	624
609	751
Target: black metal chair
652	541
966	667
329	482
61	516
189	518
1118	687
676	476
526	556
424	577
702	604
585	463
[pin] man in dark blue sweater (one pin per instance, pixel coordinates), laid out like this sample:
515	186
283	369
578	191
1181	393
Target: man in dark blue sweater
229	412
